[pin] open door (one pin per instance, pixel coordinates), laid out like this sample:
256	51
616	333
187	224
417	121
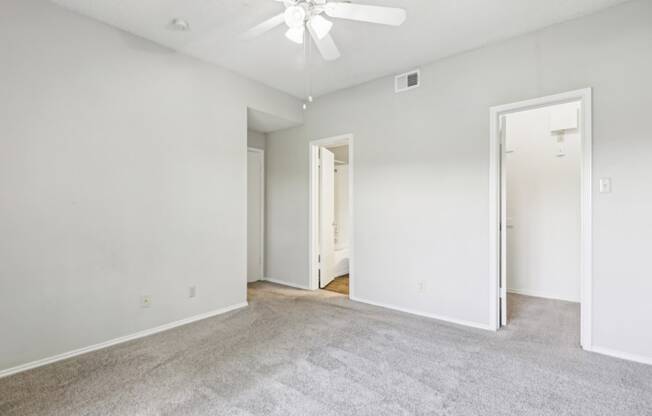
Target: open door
326	216
503	221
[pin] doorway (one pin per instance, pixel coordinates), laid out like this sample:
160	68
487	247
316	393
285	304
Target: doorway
540	219
331	249
255	213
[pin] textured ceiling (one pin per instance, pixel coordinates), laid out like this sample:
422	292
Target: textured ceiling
434	29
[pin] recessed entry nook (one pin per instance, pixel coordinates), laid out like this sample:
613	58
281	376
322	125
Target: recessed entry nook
259	125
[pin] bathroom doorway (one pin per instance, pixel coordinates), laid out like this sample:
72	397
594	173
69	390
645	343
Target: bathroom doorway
331	214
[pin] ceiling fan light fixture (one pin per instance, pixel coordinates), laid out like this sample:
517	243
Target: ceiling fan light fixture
295	34
302	15
295	16
320	26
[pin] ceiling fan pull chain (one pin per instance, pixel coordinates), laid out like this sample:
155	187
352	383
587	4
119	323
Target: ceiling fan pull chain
305	66
309	69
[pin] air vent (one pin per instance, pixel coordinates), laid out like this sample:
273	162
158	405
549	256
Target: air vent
407	81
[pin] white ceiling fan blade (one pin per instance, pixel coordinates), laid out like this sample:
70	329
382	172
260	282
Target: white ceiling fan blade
265	26
320	26
372	14
326	46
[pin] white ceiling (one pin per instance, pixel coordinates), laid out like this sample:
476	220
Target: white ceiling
434	29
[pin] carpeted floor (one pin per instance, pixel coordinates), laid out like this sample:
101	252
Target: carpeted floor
293	352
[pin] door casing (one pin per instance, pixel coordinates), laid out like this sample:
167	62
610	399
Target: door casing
313	228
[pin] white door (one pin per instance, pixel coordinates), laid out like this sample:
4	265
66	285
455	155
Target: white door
503	220
326	216
255	212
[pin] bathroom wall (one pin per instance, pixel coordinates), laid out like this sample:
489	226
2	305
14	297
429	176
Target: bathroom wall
342	215
342	206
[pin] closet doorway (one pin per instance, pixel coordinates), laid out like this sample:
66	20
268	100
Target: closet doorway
540	212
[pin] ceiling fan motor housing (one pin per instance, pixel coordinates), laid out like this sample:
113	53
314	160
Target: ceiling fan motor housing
298	12
304	18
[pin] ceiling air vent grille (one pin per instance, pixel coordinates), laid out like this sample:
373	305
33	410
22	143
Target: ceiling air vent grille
407	81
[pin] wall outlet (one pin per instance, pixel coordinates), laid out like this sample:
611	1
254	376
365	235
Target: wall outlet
421	286
192	291
145	301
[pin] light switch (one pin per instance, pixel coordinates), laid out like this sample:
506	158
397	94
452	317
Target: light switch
605	185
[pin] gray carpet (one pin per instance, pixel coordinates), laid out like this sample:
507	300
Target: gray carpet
300	353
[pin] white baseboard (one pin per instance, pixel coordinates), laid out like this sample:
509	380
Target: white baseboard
623	355
427	315
536	294
120	340
284	283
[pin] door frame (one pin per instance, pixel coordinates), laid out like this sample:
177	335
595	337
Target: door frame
584	96
261	152
313	227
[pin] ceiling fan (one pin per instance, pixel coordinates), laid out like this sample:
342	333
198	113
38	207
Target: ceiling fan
306	15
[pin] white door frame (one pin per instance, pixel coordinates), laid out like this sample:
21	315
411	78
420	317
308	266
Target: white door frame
313	230
584	97
262	208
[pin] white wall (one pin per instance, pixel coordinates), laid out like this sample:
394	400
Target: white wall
122	173
543	206
256	139
422	173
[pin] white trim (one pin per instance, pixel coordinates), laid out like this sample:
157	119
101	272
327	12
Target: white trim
313	235
535	294
262	208
427	315
583	96
622	355
119	340
284	283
